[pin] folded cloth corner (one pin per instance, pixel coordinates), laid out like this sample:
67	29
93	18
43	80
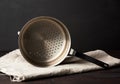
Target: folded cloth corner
14	65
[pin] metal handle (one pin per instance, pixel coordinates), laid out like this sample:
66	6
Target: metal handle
88	58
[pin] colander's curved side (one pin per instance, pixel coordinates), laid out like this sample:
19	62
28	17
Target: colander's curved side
55	61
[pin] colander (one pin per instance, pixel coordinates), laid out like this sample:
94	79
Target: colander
45	41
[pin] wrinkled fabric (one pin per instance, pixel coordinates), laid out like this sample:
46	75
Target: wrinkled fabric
14	65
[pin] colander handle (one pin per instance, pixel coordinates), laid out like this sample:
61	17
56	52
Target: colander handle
88	58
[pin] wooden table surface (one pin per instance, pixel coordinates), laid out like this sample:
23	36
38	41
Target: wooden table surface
109	76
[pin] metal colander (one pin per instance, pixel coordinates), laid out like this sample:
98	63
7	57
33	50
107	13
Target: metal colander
45	41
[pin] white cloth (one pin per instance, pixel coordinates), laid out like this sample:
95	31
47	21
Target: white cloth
14	65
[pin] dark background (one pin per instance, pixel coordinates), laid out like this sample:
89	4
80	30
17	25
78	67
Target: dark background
93	24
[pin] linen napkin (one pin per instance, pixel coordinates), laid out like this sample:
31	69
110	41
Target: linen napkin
14	65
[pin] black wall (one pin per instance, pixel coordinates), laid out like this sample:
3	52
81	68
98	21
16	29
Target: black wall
93	24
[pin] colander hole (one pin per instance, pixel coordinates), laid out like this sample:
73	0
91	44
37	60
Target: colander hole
30	53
